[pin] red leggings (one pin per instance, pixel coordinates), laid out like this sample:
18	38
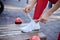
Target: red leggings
40	6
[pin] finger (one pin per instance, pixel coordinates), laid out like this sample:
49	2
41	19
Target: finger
25	10
43	20
36	21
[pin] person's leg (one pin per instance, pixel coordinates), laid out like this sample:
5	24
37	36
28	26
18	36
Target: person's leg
27	1
50	5
40	6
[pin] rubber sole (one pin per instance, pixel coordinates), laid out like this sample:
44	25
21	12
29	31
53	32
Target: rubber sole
31	31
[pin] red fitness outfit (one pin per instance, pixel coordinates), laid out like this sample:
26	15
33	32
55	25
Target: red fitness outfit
40	6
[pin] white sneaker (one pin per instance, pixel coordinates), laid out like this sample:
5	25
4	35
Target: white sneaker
30	27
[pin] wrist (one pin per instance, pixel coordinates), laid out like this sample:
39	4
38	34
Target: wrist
32	5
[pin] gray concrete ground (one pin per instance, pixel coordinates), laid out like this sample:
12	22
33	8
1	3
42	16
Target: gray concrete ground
12	11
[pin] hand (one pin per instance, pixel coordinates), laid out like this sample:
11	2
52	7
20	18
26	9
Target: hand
44	18
28	8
